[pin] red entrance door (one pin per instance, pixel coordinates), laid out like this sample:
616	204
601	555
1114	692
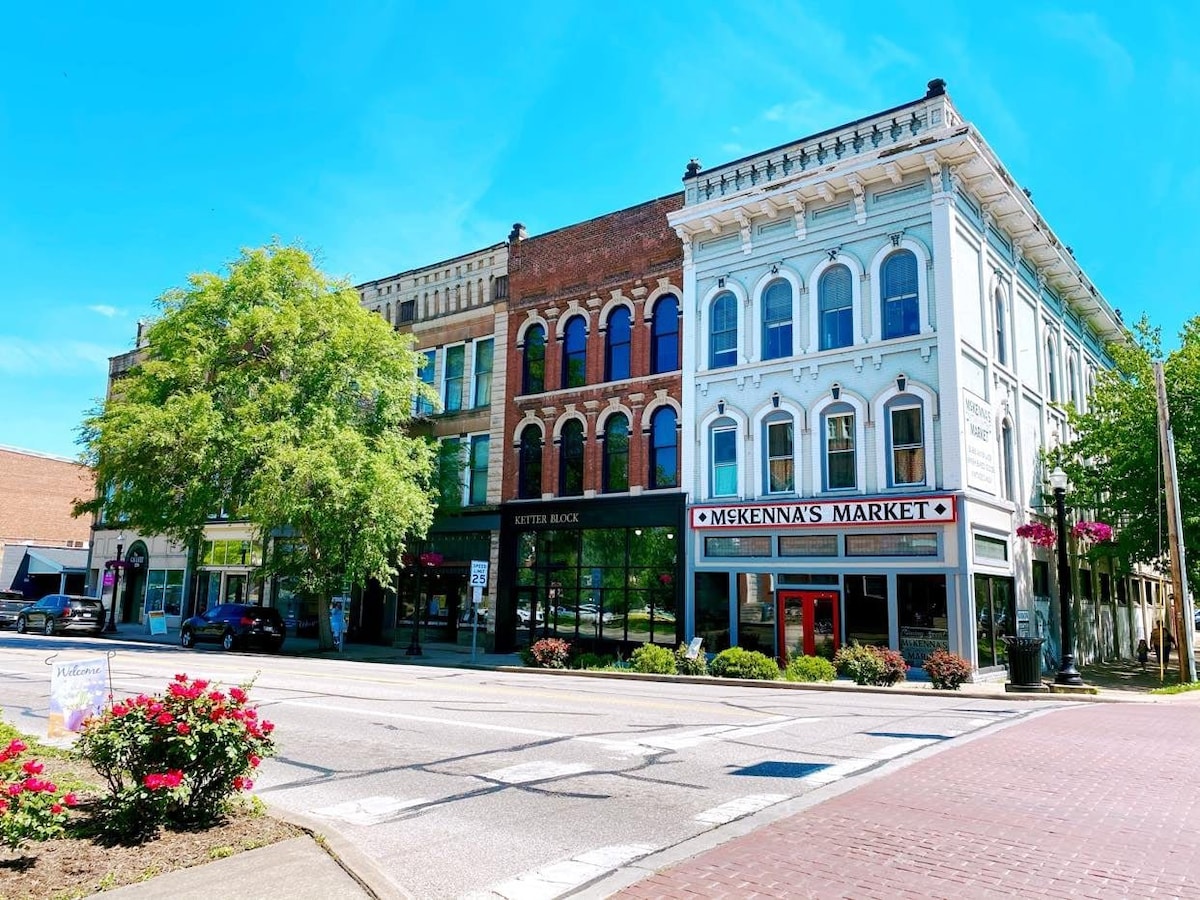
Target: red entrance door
806	621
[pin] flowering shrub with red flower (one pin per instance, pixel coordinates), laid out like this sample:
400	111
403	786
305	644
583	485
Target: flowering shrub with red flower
1038	533
175	757
549	653
31	808
1092	532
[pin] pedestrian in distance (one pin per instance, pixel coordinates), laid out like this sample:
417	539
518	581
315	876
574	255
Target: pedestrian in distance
1143	653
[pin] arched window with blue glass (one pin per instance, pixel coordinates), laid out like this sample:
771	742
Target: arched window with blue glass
529	463
574	358
533	362
616	453
905	419
780	443
570	459
841	455
664	448
901	303
723	466
722	331
777	320
664	335
835	302
616	345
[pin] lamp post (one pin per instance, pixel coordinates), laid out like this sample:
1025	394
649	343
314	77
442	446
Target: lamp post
1067	673
111	627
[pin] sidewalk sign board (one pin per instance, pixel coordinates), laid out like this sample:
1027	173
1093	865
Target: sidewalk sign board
157	620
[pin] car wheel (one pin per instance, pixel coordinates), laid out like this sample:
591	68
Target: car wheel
48	628
227	641
187	639
20	626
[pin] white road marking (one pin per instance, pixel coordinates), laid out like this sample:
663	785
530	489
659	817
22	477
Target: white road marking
736	809
560	878
838	770
535	771
431	720
900	748
368	811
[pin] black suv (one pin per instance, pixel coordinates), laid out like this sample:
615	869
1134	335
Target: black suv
234	625
62	612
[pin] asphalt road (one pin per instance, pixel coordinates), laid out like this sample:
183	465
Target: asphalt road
469	783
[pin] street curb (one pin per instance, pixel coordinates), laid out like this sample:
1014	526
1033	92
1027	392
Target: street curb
832	686
639	870
364	870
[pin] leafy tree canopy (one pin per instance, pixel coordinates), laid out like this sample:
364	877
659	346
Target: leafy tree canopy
1114	462
270	392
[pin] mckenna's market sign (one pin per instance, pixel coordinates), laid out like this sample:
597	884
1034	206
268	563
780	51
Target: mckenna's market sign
910	511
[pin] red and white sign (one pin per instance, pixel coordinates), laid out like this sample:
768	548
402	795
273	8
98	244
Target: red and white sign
891	511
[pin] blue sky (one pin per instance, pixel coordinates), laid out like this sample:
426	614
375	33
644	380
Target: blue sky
141	142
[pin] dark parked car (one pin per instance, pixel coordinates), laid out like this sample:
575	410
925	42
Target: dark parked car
11	603
62	612
234	625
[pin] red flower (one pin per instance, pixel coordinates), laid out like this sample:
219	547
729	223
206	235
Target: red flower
217	714
165	719
183	728
200	683
181	678
216	696
16	747
33	767
57	808
238	695
253	760
242	784
268	727
173	778
120	711
15	789
3	805
70	799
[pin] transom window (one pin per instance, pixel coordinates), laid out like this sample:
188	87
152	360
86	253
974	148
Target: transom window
781	465
722	338
724	458
835	302
901	307
777	320
616	345
533	365
841	469
574	364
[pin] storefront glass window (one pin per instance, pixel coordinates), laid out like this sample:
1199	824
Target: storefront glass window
921	603
995	617
164	590
808	545
901	544
756	613
867	609
712	610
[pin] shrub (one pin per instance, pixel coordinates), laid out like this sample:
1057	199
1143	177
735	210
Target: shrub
550	653
946	670
175	758
858	663
593	661
653	660
809	668
686	666
871	665
32	808
737	662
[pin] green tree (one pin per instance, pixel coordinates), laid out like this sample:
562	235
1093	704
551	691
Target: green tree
1114	461
272	392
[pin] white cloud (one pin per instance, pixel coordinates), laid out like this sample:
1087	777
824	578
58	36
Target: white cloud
24	357
105	310
1086	31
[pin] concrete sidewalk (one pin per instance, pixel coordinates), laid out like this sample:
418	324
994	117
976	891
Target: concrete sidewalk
1097	800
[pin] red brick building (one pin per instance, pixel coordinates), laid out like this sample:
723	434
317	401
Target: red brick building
592	511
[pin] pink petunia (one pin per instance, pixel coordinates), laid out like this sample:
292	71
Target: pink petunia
32	767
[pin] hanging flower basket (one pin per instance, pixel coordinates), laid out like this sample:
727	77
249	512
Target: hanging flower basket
431	559
1092	532
1037	533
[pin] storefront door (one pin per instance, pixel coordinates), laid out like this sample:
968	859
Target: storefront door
808	623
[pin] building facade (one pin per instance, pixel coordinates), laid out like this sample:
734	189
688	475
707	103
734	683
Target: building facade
592	514
886	333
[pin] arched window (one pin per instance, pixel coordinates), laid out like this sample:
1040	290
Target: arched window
722	331
781	454
533	365
664	335
574	361
835	302
1051	371
1001	330
841	461
529	464
616	453
1072	383
1007	481
570	459
906	434
777	320
901	307
616	345
723	470
664	449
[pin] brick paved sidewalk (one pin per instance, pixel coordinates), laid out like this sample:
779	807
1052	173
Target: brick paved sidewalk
1094	801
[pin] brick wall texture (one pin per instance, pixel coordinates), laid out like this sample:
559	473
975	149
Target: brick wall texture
630	257
36	495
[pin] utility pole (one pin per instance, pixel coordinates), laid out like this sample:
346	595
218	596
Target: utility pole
1182	606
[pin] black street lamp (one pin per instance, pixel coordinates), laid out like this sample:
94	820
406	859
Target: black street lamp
1067	673
111	627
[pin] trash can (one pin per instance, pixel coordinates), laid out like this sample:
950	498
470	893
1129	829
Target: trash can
1024	664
